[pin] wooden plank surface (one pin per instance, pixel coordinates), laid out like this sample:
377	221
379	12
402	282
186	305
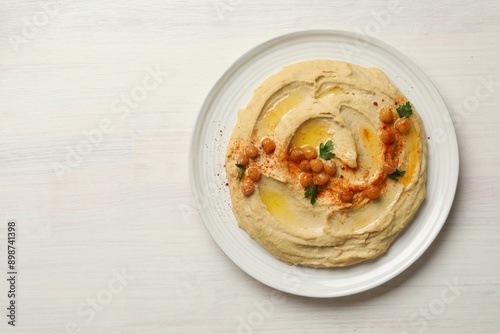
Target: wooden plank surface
109	240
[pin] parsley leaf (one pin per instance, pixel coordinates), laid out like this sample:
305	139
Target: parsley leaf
397	174
404	110
312	192
324	150
241	170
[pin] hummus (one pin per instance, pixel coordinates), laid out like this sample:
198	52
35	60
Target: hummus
326	164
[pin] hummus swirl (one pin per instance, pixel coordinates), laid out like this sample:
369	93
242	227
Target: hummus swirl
379	178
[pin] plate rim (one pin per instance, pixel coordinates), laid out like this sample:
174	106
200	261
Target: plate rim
247	56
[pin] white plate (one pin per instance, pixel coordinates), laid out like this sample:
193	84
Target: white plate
218	116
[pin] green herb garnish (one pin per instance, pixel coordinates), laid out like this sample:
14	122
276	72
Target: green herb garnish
325	150
397	174
241	170
312	193
404	110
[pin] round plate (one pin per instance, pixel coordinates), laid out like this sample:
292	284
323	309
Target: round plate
218	116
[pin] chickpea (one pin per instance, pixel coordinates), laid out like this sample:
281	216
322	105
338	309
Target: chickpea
346	195
296	154
330	167
247	188
253	174
310	152
251	151
305	166
385	115
372	192
242	160
388	168
316	165
402	125
321	179
268	145
305	179
387	136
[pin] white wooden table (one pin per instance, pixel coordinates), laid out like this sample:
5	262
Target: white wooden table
97	105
